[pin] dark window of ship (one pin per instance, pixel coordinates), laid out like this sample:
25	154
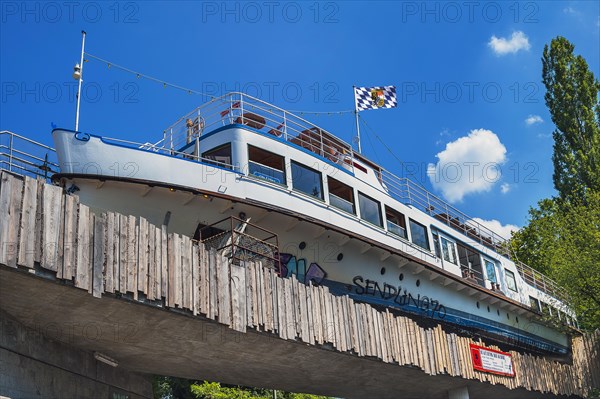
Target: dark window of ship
370	210
418	234
219	156
307	180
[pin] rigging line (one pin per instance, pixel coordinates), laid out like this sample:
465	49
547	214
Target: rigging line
152	78
380	140
370	142
322	112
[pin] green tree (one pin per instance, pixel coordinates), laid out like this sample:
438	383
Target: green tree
572	99
214	390
562	238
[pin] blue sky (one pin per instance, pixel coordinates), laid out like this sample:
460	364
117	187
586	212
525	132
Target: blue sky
468	77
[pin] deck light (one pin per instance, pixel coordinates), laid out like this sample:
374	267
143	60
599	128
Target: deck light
76	72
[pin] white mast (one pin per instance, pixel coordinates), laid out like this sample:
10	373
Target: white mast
77	75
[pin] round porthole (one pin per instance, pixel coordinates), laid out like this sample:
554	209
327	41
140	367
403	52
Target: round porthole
340	256
382	271
302	245
418	283
401	276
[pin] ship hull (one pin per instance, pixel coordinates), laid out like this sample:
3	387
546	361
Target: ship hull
317	244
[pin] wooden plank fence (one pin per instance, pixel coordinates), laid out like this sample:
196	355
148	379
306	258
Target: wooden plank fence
111	253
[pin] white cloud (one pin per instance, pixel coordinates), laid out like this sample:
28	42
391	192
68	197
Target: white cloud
505	188
518	41
571	11
468	165
533	119
503	230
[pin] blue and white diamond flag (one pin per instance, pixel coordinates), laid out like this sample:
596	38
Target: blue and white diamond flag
375	97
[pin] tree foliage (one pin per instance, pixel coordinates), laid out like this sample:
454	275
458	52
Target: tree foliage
179	388
562	238
572	99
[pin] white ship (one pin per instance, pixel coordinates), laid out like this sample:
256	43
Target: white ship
257	182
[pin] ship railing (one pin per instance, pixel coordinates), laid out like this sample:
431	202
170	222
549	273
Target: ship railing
26	157
239	108
411	193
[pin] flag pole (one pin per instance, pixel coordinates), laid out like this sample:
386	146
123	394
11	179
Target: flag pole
357	125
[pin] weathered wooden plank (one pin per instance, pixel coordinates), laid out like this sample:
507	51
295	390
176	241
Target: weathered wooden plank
6	188
99	253
289	308
143	255
268	295
281	322
204	283
274	295
123	257
195	278
238	298
83	265
250	271
213	310
109	274
27	226
51	222
159	248
185	273
132	256
171	288
37	255
70	236
252	291
223	290
151	262
310	314
164	273
16	204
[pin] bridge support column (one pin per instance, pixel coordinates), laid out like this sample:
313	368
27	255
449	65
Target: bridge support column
459	393
39	362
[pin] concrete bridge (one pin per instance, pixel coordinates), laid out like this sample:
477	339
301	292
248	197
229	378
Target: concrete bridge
91	305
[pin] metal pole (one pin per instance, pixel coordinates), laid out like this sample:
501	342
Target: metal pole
357	125
80	81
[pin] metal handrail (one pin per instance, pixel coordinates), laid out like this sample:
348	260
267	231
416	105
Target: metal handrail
27	157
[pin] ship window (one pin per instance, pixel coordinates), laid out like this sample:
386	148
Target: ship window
470	263
534	304
341	195
307	180
418	234
511	283
546	309
219	156
490	270
396	224
448	250
436	244
370	210
266	165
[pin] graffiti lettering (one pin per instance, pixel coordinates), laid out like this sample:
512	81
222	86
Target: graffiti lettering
291	266
422	304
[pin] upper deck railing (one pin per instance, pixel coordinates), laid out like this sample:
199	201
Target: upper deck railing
242	109
24	156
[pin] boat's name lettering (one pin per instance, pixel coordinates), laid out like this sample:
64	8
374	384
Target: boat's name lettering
399	296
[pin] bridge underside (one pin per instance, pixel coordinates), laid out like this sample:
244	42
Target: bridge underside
148	339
